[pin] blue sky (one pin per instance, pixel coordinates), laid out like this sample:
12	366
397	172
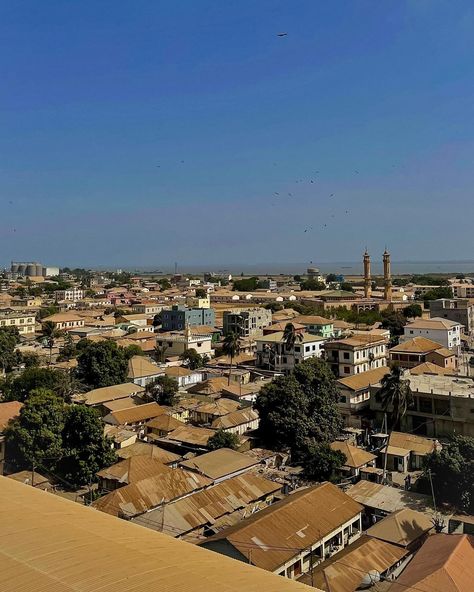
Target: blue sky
371	100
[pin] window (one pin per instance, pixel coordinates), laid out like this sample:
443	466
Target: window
343	399
297	348
346	370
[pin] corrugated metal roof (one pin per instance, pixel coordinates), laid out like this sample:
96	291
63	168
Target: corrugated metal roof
144	449
275	534
219	463
235	419
111	393
49	544
189	434
207	506
355	457
134	414
344	571
403	527
133	469
146	494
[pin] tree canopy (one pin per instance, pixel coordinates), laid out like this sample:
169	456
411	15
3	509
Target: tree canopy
9	357
452	471
60	382
53	436
102	364
395	395
412	311
192	359
300	409
246	284
222	439
436	293
163	390
321	463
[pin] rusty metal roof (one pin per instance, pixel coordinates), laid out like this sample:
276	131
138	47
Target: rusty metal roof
274	535
207	506
219	463
49	544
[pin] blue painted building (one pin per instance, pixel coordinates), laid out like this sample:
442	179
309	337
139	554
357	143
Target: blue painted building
179	316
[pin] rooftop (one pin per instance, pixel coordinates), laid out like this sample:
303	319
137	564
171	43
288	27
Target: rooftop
430	368
192	435
436	323
445	563
219	463
134	414
388	499
144	449
355	457
442	385
357	382
290	524
86	550
111	393
412	442
278	337
133	469
418	345
140	367
235	419
402	527
9	411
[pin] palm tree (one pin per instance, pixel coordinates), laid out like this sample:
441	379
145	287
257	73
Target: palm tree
160	352
231	347
50	334
395	394
291	336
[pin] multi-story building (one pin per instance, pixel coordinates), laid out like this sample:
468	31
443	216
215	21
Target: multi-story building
443	331
24	322
443	405
174	343
247	322
179	317
273	354
356	354
198	302
148	308
354	400
459	310
316	325
463	290
71	294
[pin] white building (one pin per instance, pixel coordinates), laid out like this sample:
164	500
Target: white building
71	294
175	343
24	322
272	352
443	331
356	354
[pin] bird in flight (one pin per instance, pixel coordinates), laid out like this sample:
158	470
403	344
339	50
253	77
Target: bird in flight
332	195
282	34
356	172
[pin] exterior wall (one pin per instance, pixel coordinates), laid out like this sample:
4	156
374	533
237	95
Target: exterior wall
243	427
147	308
25	323
407	360
177	345
283	360
72	294
450	338
68	325
459	311
347	360
433	415
463	290
353	405
178	317
247	323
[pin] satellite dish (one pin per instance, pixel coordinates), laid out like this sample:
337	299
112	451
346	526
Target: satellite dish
370	578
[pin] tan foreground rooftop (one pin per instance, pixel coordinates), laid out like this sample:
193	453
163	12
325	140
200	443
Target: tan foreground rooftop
49	544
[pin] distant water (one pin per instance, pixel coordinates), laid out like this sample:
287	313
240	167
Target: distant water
345	268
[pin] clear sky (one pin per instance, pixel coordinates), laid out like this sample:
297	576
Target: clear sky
147	132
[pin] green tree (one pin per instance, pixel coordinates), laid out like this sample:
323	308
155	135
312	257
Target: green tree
47	311
157	320
291	336
394	322
192	359
347	287
331	278
246	285
321	463
34	438
85	450
436	293
412	311
68	350
159	352
274	306
9	357
164	284
50	334
31	359
312	285
222	439
133	350
102	364
231	347
297	278
200	293
452	472
163	390
300	408
395	395
60	382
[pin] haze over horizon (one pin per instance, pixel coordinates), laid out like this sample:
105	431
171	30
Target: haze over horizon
160	132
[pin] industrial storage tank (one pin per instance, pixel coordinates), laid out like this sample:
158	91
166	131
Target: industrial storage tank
14	267
30	269
21	268
39	269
